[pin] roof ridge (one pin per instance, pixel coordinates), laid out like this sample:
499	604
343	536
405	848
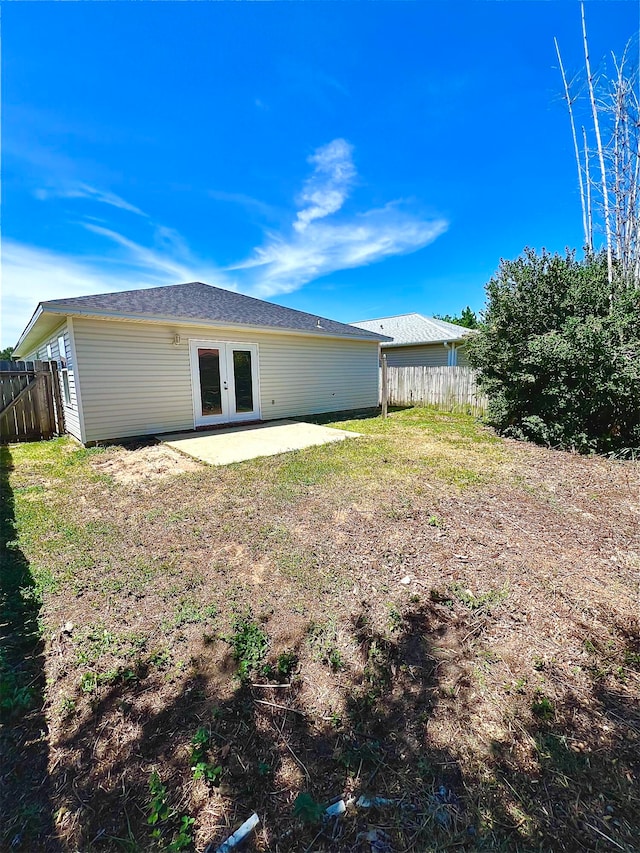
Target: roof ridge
391	317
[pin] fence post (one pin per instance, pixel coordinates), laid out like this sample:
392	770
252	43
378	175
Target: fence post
57	396
385	386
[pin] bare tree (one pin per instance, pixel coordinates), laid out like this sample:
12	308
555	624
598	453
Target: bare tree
569	100
596	127
587	172
609	165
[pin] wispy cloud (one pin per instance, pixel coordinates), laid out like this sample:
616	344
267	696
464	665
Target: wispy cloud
31	274
327	189
89	192
142	257
319	244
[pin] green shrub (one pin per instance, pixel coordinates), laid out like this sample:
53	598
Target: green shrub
558	354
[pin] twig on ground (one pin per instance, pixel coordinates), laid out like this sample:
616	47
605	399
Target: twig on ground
281	707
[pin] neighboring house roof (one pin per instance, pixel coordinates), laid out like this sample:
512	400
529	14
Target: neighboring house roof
413	329
194	302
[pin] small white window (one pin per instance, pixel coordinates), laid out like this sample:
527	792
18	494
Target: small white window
62	352
49	353
65	387
62	360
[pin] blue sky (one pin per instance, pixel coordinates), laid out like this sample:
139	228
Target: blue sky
349	159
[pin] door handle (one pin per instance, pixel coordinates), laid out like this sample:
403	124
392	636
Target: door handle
225	386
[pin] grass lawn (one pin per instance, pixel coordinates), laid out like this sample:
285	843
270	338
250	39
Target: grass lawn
428	614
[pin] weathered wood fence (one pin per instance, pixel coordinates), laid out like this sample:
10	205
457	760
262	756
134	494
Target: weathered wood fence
451	388
30	401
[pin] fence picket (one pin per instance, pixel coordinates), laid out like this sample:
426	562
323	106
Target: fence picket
448	387
29	407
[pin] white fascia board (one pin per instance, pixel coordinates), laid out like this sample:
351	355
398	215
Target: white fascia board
28	328
444	341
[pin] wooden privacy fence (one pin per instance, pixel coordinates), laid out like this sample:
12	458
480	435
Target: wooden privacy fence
30	401
450	388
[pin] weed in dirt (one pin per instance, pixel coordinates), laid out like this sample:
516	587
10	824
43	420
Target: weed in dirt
158	804
164	821
631	659
435	521
542	707
286	662
183	838
88	682
161	658
249	643
201	767
483	601
92	643
323	639
190	612
438	597
207	771
68	707
394	618
517	686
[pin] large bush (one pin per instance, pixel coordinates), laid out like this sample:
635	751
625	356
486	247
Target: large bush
558	354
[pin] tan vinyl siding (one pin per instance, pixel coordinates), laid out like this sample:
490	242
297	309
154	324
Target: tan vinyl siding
425	355
135	381
71	411
463	361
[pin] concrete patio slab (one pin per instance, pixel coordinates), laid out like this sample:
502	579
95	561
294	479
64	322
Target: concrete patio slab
237	444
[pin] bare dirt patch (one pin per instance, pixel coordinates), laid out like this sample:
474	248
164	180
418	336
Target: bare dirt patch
130	466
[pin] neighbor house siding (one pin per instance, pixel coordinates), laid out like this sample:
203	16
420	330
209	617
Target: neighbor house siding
463	361
425	355
135	381
71	410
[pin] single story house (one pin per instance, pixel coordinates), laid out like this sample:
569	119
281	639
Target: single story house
175	358
420	341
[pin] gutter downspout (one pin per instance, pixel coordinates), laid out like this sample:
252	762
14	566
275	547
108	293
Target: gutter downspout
452	355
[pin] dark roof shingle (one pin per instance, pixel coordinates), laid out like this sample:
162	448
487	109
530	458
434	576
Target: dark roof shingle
196	301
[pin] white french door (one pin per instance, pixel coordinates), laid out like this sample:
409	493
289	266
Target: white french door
224	379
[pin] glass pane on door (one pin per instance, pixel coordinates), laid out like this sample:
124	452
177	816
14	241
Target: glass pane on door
210	390
243	380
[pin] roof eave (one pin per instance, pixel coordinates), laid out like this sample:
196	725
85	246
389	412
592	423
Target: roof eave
449	340
28	328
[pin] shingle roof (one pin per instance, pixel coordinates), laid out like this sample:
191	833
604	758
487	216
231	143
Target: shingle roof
196	301
413	329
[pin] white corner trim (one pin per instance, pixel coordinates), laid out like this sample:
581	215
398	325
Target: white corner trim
76	376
